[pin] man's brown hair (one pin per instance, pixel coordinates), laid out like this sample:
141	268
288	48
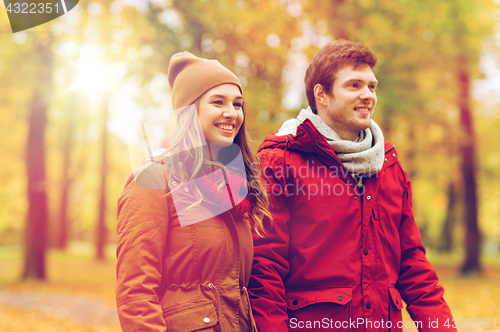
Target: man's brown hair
330	59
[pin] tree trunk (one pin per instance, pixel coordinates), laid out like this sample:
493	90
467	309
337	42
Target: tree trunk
195	28
449	222
64	226
468	152
337	22
101	231
37	219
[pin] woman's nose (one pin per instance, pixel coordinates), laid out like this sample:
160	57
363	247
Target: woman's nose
229	112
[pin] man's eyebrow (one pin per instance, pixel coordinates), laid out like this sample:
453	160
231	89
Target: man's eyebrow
359	80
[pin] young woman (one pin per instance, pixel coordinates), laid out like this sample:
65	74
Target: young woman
184	218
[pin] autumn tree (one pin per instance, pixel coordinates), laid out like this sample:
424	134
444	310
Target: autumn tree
37	218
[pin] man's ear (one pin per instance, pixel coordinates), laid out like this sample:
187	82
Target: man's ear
320	95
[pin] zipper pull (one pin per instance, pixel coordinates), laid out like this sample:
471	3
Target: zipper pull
360	181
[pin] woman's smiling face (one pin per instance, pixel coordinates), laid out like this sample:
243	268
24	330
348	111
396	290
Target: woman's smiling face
220	111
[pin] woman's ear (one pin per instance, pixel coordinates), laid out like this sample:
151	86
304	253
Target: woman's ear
320	95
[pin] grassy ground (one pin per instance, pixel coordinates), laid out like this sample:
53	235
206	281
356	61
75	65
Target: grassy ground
471	298
79	293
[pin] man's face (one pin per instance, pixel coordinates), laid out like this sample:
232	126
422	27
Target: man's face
350	104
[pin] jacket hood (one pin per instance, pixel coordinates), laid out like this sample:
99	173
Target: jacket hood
303	136
294	135
298	135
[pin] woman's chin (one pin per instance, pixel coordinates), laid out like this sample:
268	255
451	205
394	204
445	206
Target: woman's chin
220	144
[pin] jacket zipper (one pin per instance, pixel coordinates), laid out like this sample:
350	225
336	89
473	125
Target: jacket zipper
328	153
390	149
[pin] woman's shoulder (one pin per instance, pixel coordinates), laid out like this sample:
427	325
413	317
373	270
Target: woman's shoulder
145	180
145	187
150	176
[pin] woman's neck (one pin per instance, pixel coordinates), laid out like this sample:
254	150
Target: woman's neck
213	150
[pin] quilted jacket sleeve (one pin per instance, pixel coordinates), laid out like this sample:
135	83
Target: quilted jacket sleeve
418	281
270	265
142	230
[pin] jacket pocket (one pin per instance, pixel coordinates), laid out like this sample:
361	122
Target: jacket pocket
301	298
395	306
396	298
327	308
192	316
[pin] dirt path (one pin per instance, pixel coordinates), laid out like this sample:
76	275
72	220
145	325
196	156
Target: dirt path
65	312
83	309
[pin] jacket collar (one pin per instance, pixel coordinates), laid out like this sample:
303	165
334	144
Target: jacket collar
305	137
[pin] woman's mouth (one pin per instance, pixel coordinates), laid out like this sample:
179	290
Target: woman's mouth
228	128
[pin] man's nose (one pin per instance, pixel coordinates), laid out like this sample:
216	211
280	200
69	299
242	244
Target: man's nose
366	94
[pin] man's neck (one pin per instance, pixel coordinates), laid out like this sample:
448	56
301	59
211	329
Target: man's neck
346	135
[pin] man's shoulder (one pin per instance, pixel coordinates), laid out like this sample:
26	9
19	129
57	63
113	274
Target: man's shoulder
280	138
389	146
390	152
271	151
392	158
289	127
272	144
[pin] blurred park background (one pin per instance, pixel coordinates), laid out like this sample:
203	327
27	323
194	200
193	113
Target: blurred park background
72	90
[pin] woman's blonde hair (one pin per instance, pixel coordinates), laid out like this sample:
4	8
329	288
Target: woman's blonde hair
187	141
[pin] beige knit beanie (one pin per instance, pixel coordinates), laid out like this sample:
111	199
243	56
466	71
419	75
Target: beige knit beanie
190	77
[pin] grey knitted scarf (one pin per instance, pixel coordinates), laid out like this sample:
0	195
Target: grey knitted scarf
365	155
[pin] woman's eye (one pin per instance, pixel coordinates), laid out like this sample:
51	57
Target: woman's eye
239	105
217	102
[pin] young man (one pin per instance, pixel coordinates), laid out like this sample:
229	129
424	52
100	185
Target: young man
344	251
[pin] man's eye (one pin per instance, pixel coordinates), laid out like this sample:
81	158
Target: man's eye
373	87
354	85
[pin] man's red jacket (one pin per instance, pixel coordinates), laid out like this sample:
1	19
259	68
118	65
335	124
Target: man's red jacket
339	256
